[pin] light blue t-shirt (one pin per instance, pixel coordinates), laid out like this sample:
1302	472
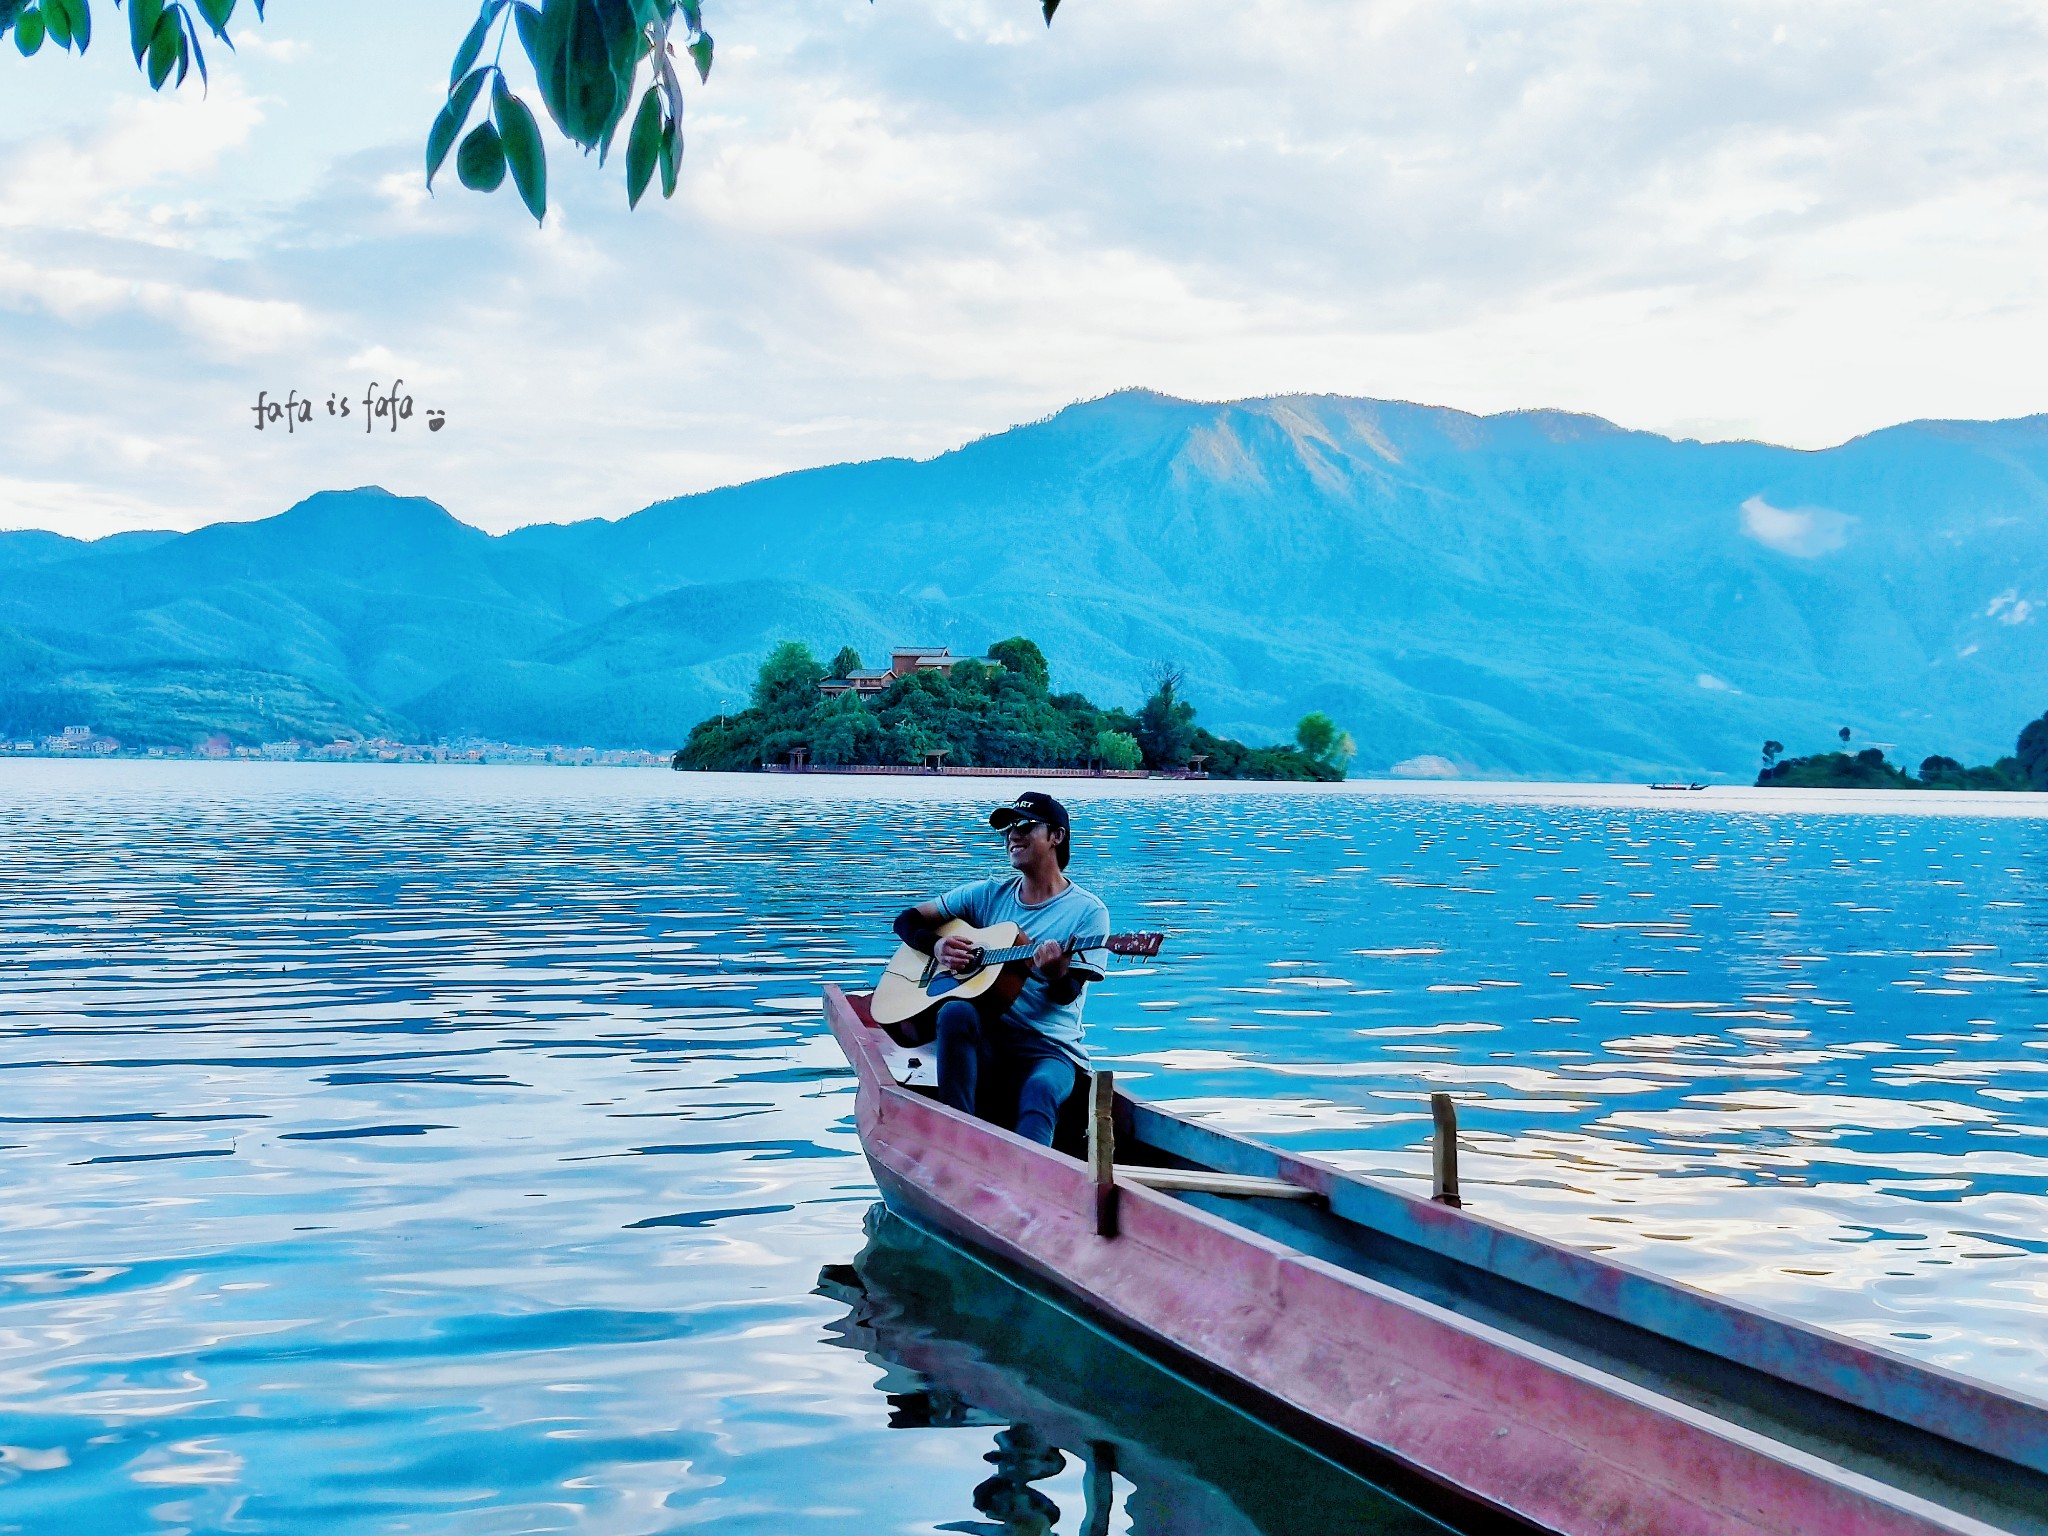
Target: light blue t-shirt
1072	914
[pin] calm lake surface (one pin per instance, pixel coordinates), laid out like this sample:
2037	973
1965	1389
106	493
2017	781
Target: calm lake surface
461	1150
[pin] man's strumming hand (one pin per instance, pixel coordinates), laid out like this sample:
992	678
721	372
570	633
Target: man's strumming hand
955	953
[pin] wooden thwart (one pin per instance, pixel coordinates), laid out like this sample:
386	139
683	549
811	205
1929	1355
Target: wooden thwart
1106	1170
1201	1181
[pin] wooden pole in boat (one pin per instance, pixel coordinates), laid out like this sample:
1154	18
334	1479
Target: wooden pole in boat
1102	1149
1444	1186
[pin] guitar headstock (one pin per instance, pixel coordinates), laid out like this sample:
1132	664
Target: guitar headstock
1134	945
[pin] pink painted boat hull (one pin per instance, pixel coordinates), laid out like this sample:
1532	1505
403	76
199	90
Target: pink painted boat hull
1494	1423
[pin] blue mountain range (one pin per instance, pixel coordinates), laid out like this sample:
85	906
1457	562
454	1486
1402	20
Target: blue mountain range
1529	594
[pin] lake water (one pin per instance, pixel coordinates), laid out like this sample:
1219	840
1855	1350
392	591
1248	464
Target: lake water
461	1150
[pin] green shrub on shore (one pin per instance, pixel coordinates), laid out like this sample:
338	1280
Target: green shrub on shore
1838	770
1116	750
2026	769
983	716
2031	758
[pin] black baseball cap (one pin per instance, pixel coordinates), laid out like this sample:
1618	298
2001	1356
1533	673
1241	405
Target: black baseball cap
1033	806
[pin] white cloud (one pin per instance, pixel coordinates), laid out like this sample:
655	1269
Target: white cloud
1805	533
905	225
226	323
112	183
90	511
1427	766
1713	684
257	44
2010	608
230	322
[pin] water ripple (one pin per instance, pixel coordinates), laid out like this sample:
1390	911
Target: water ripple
353	1175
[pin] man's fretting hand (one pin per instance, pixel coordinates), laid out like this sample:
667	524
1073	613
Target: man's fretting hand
1050	960
955	953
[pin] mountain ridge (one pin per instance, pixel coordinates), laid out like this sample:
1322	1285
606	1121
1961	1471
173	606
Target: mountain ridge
1526	593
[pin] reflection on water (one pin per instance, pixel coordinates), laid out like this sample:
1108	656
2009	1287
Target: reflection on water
963	1348
459	1149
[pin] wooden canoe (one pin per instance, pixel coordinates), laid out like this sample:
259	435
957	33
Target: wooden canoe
1492	1377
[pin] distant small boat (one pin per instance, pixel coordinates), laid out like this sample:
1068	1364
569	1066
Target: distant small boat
1482	1373
1678	786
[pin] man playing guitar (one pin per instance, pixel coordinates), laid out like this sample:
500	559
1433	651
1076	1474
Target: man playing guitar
1035	1045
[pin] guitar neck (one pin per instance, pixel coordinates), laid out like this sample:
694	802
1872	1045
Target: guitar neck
1026	951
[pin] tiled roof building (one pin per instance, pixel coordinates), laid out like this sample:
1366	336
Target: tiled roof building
903	661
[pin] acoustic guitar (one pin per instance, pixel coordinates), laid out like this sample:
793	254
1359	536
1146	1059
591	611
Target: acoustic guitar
915	986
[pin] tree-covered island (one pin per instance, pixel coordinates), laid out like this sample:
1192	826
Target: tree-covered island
993	711
2025	769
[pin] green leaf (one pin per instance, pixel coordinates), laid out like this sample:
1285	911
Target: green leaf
28	32
480	163
9	9
644	147
57	22
1050	7
191	44
473	44
584	53
216	13
523	155
449	122
546	37
700	50
693	15
672	140
81	24
671	156
584	56
166	49
143	15
625	44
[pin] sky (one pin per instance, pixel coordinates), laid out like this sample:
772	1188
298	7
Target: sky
906	224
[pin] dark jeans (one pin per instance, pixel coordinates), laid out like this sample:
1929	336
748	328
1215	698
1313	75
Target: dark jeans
979	1062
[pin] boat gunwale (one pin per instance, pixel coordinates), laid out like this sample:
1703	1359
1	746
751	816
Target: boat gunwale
905	1164
1448	1233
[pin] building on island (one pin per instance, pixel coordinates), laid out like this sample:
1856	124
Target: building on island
866	682
906	659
